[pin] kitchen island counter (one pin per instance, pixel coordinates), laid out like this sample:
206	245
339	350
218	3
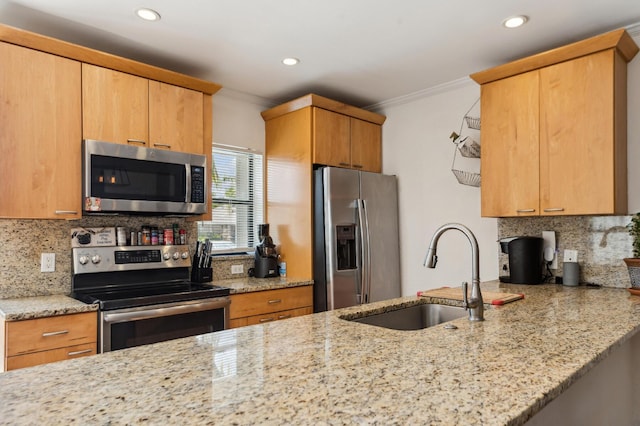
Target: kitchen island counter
320	369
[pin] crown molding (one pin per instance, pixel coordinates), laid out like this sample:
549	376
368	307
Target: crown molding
425	93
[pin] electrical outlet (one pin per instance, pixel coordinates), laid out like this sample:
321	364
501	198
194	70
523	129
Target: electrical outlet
47	262
237	269
571	255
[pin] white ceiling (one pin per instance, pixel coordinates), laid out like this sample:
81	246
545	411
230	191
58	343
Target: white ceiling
358	51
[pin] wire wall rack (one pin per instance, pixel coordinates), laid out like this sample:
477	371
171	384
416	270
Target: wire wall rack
468	148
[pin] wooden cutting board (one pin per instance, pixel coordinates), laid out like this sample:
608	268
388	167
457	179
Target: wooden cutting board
455	293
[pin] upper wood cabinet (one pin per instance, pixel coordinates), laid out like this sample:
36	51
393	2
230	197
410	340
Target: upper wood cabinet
123	108
175	118
302	133
40	135
343	141
115	106
554	131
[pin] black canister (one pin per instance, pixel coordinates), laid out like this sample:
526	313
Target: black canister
525	260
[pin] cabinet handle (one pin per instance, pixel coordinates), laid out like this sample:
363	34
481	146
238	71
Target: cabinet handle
525	210
358	166
140	141
274	301
74	353
162	145
66	212
55	333
344	164
284	316
266	319
554	209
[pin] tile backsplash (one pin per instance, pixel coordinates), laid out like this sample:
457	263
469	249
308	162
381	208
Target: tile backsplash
601	241
24	240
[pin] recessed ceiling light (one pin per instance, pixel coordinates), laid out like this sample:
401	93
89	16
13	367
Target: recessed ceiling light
148	14
290	61
515	21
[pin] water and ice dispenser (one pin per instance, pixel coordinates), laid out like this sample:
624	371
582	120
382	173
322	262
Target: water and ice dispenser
346	244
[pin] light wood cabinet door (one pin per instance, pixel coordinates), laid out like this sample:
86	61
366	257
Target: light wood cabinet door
509	149
52	355
115	106
50	332
175	118
48	339
577	150
270	305
331	138
40	135
366	146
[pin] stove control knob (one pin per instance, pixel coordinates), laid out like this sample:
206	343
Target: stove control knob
185	254
166	256
95	259
83	260
176	256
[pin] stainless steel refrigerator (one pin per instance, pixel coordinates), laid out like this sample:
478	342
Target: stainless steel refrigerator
356	246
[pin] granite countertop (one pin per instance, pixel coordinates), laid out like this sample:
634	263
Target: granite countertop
320	369
249	284
25	308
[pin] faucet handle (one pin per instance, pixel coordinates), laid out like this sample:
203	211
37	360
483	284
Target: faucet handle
465	301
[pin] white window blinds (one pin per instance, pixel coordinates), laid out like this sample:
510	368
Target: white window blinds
237	201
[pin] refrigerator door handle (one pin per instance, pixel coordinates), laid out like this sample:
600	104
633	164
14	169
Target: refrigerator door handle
365	250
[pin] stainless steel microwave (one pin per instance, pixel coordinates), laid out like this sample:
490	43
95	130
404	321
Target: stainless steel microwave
120	178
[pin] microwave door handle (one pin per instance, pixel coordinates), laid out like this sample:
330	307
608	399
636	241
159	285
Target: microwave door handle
187	193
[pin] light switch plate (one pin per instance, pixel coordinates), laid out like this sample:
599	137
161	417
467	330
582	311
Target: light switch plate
48	262
237	269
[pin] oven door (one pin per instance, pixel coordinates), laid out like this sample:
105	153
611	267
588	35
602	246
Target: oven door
125	328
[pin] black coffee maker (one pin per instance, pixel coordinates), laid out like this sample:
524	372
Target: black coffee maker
525	259
266	264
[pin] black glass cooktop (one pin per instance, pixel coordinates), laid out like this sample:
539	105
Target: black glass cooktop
133	296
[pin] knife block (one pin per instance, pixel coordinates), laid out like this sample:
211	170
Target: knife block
201	275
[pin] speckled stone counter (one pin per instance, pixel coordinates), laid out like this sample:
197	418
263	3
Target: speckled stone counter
320	369
41	306
249	284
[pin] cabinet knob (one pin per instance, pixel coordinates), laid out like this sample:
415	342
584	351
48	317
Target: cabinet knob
274	301
162	145
74	353
66	212
525	210
140	141
358	166
266	319
554	209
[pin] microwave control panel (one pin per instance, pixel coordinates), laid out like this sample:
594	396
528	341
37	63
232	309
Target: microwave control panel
197	184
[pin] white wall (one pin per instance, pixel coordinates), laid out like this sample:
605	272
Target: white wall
237	120
417	148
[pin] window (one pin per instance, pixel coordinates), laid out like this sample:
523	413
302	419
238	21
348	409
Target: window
237	200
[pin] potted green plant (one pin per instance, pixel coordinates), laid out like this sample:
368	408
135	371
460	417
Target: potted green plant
633	263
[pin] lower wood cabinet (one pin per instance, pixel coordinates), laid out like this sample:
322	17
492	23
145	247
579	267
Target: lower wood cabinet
270	305
43	340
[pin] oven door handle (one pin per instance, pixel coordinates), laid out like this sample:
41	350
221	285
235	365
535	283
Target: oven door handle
208	304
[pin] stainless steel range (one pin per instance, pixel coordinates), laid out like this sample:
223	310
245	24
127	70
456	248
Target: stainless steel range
145	295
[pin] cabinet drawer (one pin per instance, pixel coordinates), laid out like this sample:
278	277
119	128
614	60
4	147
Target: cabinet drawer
50	333
265	302
277	316
53	355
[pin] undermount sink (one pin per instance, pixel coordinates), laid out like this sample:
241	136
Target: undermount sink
414	317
